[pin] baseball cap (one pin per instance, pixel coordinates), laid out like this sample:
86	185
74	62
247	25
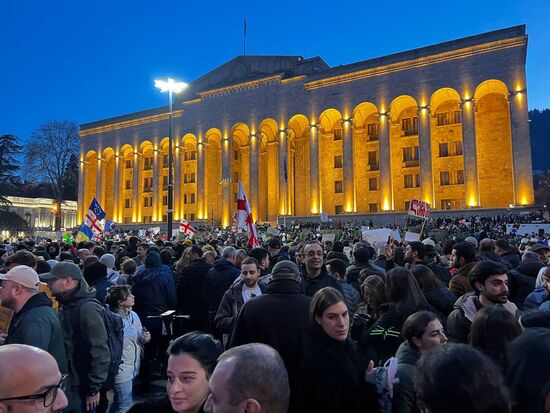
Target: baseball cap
22	275
428	241
64	269
285	267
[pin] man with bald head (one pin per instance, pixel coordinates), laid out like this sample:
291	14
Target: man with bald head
251	378
30	381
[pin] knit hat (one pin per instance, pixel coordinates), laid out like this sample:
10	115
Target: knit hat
152	260
285	269
108	260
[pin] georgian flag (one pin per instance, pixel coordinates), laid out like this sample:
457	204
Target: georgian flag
186	228
244	217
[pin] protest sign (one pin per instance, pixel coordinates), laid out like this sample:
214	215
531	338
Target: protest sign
419	209
374	235
411	236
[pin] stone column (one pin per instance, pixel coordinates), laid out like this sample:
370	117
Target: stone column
349	187
426	179
98	182
226	182
80	205
136	173
116	188
283	172
255	146
178	210
521	149
314	169
157	204
386	201
201	199
471	184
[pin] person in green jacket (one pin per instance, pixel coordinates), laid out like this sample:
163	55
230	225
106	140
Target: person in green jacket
422	332
34	322
86	344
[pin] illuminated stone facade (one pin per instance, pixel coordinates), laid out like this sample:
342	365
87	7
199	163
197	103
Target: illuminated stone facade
445	123
40	212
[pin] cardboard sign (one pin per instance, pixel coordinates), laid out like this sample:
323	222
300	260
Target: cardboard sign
396	235
419	209
411	236
328	237
375	235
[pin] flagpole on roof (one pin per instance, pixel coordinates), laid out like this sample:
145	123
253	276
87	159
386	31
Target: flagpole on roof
244	38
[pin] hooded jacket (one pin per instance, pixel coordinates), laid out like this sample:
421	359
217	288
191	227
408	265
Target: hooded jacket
460	320
155	292
192	296
87	350
404	395
218	280
37	324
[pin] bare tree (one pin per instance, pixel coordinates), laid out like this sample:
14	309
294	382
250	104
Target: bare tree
48	157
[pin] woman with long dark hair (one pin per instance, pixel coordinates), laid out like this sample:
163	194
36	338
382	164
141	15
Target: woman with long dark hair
331	377
437	295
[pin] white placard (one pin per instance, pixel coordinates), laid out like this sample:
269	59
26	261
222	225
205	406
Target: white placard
411	236
374	235
328	237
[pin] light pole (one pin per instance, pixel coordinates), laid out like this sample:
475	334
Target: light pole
172	87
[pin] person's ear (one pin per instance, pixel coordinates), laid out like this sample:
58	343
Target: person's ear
318	319
251	406
417	342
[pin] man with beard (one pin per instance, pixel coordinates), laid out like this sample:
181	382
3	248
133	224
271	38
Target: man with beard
315	275
247	288
489	282
464	259
85	336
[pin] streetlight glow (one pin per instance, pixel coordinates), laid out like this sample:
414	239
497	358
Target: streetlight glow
170	85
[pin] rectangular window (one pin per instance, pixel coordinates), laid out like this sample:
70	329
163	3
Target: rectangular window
165	200
165	161
373	158
409	126
446	204
338	187
417	181
185	179
373	184
147	219
192	177
164	183
128	164
338	209
127	203
407	154
193	155
444	178
443	149
372	131
416	153
185	156
236	155
164	218
460	177
457	116
337	134
235	177
128	184
337	161
442	119
193	198
147	184
408	181
185	198
147	163
126	220
407	205
458	148
373	208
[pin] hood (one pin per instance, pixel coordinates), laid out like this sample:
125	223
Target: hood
222	264
469	305
407	355
147	275
152	260
531	269
82	291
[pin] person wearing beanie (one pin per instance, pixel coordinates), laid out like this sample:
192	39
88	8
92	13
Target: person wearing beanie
109	261
95	275
155	292
278	318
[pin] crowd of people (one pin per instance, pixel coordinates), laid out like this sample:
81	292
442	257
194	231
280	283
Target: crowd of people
440	325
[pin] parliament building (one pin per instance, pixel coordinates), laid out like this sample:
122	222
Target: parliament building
446	123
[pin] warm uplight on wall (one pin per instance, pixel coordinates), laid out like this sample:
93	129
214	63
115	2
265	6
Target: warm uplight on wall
472	201
386	205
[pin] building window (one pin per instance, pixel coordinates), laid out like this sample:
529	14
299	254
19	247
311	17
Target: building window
373	160
164	218
127	203
373	184
165	161
337	134
460	176
407	205
235	177
148	201
446	204
443	149
417	180
147	219
373	208
192	177
409	126
185	198
127	184
147	184
458	147
185	156
165	200
128	164
457	116
126	220
442	119
147	163
337	161
408	181
444	178
338	187
372	131
236	155
193	155
192	198
411	153
164	183
338	209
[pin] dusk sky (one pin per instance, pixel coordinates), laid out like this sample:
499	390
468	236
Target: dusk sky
91	60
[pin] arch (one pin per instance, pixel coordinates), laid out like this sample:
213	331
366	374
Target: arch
268	182
442	96
330	119
239	155
331	174
188	184
361	112
490	86
213	174
401	103
240	133
126	154
90	177
299	124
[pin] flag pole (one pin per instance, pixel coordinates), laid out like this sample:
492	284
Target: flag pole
244	38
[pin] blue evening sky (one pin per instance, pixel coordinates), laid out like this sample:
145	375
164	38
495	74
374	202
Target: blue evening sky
89	60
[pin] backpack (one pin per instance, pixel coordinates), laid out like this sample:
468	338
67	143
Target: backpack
114	325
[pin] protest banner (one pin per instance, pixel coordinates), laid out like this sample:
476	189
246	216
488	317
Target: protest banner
374	235
419	209
411	236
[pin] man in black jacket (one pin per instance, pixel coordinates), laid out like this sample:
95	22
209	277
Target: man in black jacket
278	318
191	290
315	275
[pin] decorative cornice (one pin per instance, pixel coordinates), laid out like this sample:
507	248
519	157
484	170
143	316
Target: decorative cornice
420	62
253	84
130	123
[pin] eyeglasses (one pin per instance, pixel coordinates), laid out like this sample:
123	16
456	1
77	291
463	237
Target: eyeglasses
48	397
